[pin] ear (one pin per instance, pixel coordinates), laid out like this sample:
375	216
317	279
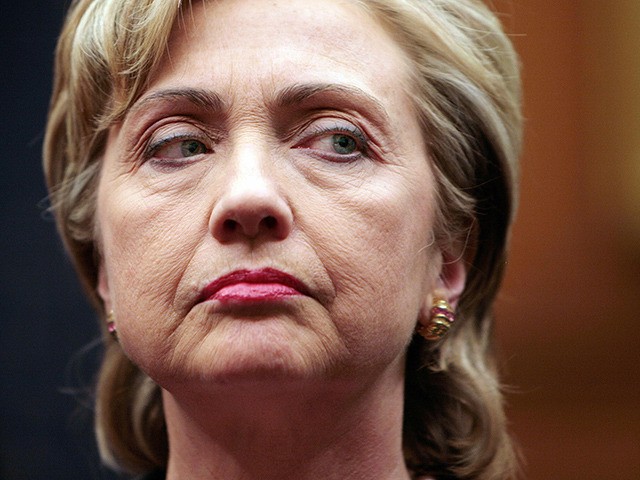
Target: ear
452	279
449	286
103	287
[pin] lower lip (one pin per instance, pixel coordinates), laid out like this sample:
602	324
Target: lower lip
254	293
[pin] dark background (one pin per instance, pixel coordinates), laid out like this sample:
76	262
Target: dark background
46	326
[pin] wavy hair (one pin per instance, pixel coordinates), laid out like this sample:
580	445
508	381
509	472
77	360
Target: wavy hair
466	93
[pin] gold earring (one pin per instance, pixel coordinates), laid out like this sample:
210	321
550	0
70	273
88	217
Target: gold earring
440	320
111	325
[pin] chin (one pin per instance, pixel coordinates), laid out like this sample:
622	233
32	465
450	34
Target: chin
268	352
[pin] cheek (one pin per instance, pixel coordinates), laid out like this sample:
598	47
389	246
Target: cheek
377	248
146	247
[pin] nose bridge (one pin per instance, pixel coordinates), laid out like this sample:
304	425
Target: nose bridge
251	163
252	201
252	179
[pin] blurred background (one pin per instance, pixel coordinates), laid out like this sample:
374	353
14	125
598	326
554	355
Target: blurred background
567	316
568	313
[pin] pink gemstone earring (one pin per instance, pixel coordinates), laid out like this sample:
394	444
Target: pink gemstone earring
440	320
111	325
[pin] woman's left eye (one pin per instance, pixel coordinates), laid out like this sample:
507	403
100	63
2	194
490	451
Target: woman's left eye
335	142
343	144
188	148
340	143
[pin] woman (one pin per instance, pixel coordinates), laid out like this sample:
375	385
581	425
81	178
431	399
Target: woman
292	219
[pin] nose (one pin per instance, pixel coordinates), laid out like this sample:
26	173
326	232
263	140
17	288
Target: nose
251	206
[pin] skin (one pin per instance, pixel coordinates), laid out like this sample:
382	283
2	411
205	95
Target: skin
246	177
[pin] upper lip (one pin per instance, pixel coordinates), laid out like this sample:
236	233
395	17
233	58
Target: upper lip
262	275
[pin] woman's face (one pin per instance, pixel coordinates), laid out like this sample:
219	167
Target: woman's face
265	209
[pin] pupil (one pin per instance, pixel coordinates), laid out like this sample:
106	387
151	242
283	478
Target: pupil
191	147
344	144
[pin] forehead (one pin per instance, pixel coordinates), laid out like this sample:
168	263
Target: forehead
232	44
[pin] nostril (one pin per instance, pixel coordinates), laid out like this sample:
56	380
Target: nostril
229	225
233	222
270	222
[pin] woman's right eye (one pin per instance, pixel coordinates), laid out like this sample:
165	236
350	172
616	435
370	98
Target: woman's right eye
177	148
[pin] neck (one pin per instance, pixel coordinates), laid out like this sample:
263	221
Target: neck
294	432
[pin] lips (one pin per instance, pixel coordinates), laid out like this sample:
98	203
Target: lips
253	286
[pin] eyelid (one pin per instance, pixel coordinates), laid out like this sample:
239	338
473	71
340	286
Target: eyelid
352	130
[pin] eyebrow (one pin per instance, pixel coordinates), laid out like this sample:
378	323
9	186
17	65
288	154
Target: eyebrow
288	97
299	93
201	98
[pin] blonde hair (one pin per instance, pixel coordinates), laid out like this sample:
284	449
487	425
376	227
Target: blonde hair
466	94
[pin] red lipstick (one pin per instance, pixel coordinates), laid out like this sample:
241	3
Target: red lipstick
253	286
